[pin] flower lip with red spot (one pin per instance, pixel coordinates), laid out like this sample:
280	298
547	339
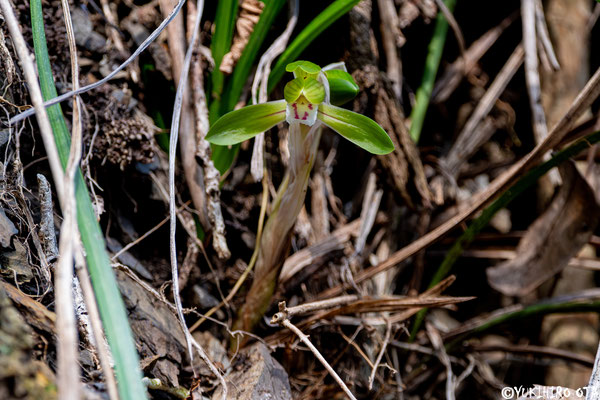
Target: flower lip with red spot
301	111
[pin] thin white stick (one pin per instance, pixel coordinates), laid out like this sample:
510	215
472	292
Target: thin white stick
181	86
544	35
172	154
532	79
304	338
108	77
532	76
68	376
386	340
593	387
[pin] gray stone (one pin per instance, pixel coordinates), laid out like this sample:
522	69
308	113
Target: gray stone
7	229
260	377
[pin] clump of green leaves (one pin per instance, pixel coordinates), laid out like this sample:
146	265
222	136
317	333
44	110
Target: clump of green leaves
308	99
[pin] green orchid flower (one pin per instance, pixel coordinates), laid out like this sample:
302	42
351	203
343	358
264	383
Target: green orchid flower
308	99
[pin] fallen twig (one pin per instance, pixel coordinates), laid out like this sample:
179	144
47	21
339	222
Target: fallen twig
532	77
386	340
202	155
390	34
286	322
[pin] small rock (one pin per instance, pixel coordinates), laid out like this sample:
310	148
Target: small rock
83	29
215	351
260	377
202	297
15	264
4	135
7	229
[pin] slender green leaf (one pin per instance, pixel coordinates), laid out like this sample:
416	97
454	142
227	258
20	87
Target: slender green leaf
569	303
235	85
308	34
360	130
220	45
245	123
223	156
110	303
342	87
432	63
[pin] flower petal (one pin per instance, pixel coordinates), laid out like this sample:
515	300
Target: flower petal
293	90
303	68
360	130
313	91
310	88
247	122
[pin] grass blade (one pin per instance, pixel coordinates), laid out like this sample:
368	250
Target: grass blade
220	45
223	156
432	63
110	303
308	34
244	64
586	301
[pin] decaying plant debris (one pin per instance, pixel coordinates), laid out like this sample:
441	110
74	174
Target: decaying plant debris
400	278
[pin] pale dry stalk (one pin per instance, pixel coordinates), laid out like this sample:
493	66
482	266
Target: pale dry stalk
303	143
69	386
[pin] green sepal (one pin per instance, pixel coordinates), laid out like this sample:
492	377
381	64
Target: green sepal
303	68
310	88
245	123
360	130
342	87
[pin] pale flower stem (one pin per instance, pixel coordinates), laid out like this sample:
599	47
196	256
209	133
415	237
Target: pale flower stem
303	145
